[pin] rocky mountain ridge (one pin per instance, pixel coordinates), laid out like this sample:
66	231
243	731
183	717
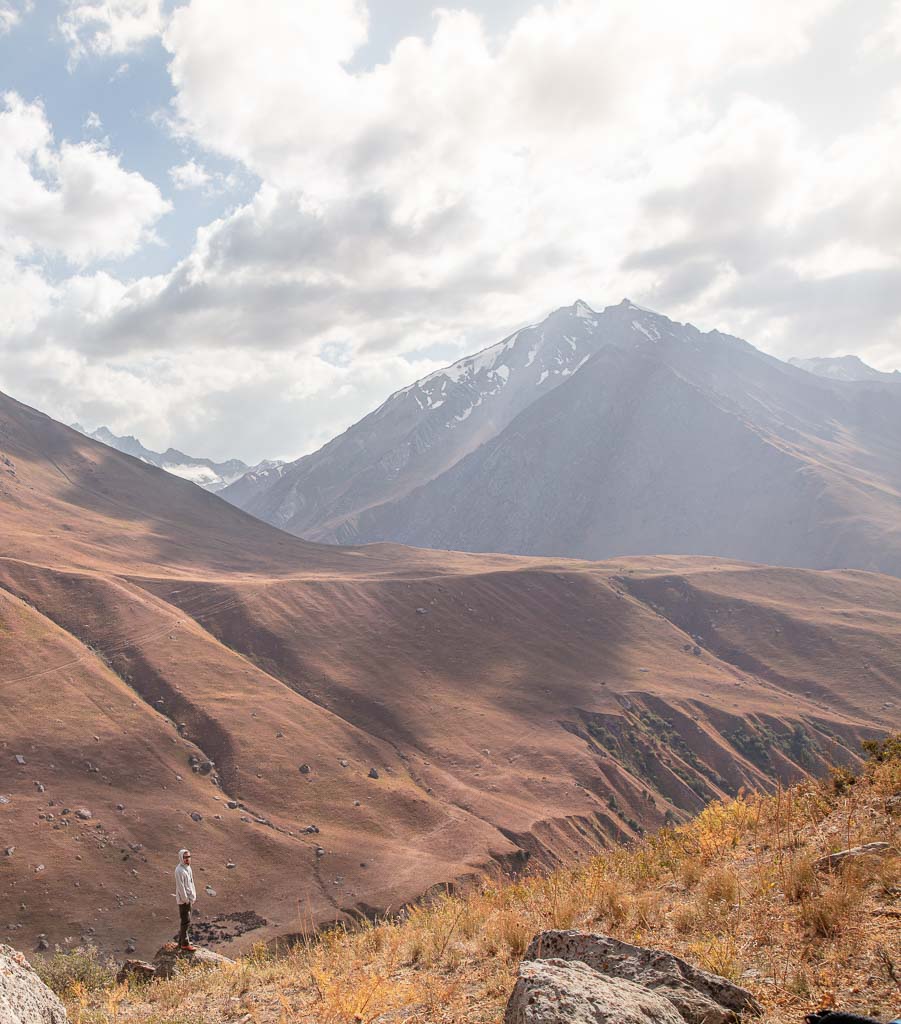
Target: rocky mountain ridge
598	434
421	430
211	476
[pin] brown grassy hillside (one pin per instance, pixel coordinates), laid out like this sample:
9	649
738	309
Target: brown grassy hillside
515	710
734	891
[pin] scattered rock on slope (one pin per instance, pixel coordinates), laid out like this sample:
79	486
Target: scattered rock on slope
699	997
24	998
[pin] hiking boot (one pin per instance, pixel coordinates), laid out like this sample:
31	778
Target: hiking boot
186	947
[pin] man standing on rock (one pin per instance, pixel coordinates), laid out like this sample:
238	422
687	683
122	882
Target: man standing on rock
185	895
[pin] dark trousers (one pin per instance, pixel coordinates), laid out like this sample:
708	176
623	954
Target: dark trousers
184	934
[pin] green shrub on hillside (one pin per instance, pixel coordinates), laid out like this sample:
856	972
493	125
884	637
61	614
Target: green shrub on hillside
82	968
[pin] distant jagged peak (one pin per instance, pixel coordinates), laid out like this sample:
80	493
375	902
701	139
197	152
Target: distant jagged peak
847	367
206	473
627	304
581	308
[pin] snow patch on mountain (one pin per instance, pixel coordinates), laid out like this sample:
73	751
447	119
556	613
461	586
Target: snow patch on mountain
648	330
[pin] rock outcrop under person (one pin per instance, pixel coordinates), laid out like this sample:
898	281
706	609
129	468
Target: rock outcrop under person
170	959
24	998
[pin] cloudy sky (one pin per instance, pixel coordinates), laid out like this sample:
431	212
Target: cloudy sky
236	227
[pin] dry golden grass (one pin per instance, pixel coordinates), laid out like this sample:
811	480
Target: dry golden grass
734	891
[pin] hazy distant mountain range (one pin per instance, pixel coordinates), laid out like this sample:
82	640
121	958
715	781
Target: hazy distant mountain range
597	434
211	476
844	368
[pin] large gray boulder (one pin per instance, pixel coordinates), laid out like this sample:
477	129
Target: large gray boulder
24	998
569	992
699	997
170	960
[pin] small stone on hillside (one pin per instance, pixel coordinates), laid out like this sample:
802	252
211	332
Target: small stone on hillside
373	773
838	860
304	769
196	816
20	759
84	814
135	971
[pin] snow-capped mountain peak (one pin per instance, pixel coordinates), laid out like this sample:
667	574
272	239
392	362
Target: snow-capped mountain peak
847	368
536	356
428	426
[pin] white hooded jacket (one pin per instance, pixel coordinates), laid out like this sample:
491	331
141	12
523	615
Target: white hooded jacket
184	881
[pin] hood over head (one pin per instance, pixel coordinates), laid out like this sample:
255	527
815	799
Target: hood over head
181	854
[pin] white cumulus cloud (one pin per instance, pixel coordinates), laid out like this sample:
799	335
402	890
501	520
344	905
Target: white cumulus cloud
466	182
189	175
108	28
73	200
11	12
